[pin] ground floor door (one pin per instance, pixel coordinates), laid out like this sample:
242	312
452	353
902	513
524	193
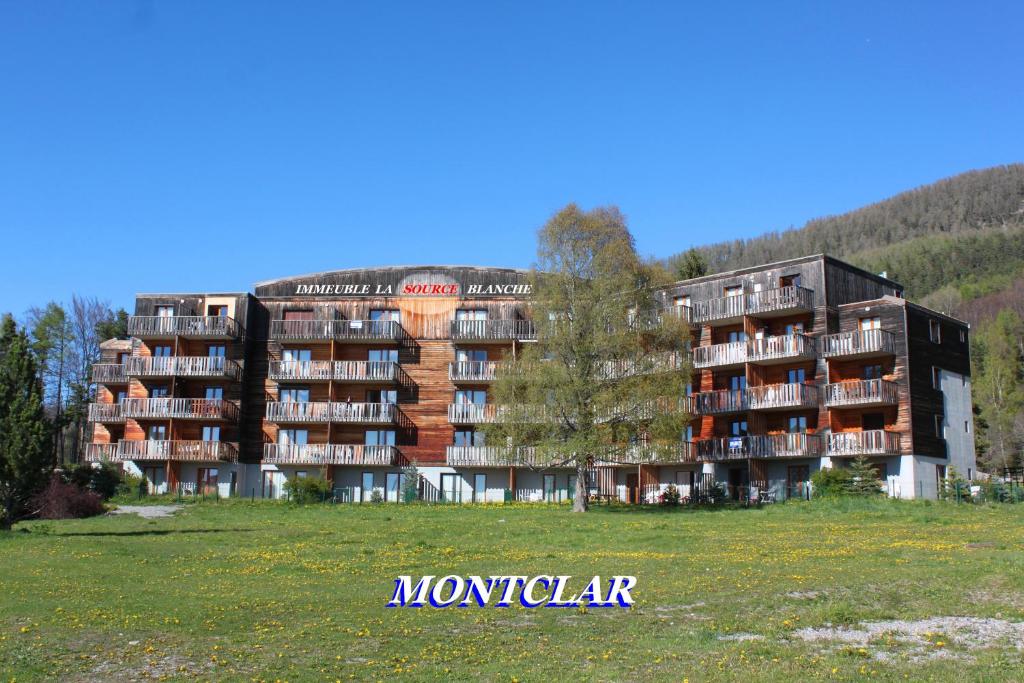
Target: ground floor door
156	477
451	492
737	482
633	488
272	484
796	481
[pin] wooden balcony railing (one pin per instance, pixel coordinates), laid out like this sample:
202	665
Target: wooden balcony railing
186	451
472	371
680	311
179	408
183	366
773	396
329	454
338	330
648	454
862	392
99	452
491	456
858	343
492	330
718	402
339	370
660	362
783	347
105	412
306	370
472	413
870	442
798	445
780	299
331	411
719	309
199	326
716	355
109	373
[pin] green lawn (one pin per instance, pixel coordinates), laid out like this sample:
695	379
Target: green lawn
268	591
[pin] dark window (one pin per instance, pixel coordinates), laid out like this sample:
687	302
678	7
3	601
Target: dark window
936	378
797	424
935	331
872	421
872	372
737	382
790	280
738	428
796	376
938	426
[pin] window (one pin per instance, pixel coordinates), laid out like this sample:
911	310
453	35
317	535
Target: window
207	478
382	355
385	314
165	311
479	488
872	422
474	396
217	310
367	486
935	331
471	314
735	290
468	437
683	300
215	350
382	396
393	486
296	355
688	434
299	314
967	426
293	394
936	378
162	351
794	328
379	437
737	383
158	392
797	424
121	395
963	336
211	433
301	474
214	393
470	355
938	427
790	280
549	488
450	488
872	372
292	437
157	433
737	336
796	376
738	428
874	323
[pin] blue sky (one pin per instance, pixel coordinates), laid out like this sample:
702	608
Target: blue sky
198	146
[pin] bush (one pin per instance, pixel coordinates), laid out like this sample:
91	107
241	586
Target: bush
62	500
131	485
102	480
670	496
303	490
863	478
376	497
831	481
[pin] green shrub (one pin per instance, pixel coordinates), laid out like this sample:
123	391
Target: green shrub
670	496
831	481
863	478
303	490
131	485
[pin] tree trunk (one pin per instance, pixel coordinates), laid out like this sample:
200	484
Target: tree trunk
579	503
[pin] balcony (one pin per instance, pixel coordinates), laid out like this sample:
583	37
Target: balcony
649	454
684	313
99	452
725	310
472	413
491	456
858	344
205	367
862	393
718	402
109	413
109	373
472	371
782	396
194	326
331	411
870	442
719	355
492	330
338	330
184	451
339	370
799	445
781	349
179	409
329	454
780	301
660	362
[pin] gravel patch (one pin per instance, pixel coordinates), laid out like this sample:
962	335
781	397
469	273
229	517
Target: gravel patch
147	511
966	631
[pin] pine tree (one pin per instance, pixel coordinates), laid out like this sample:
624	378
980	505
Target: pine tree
863	478
24	429
691	264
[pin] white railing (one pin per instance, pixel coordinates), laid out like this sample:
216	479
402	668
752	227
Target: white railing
105	412
365	370
721	401
341	330
795	445
680	311
302	370
330	411
109	373
666	361
870	442
182	325
858	342
99	452
340	370
648	454
472	413
731	353
779	299
782	396
860	392
192	451
718	309
494	330
183	366
787	346
490	456
179	408
328	454
472	371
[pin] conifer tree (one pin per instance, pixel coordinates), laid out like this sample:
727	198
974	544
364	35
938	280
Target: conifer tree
863	478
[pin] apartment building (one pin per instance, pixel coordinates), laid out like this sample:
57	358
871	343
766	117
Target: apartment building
353	375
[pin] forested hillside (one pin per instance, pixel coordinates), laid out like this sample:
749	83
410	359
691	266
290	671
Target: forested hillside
957	246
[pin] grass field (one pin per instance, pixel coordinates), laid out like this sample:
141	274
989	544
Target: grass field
267	591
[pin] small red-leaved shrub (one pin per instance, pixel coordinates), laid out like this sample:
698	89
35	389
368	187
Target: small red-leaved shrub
60	500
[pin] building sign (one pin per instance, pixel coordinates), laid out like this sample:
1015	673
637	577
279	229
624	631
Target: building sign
424	284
